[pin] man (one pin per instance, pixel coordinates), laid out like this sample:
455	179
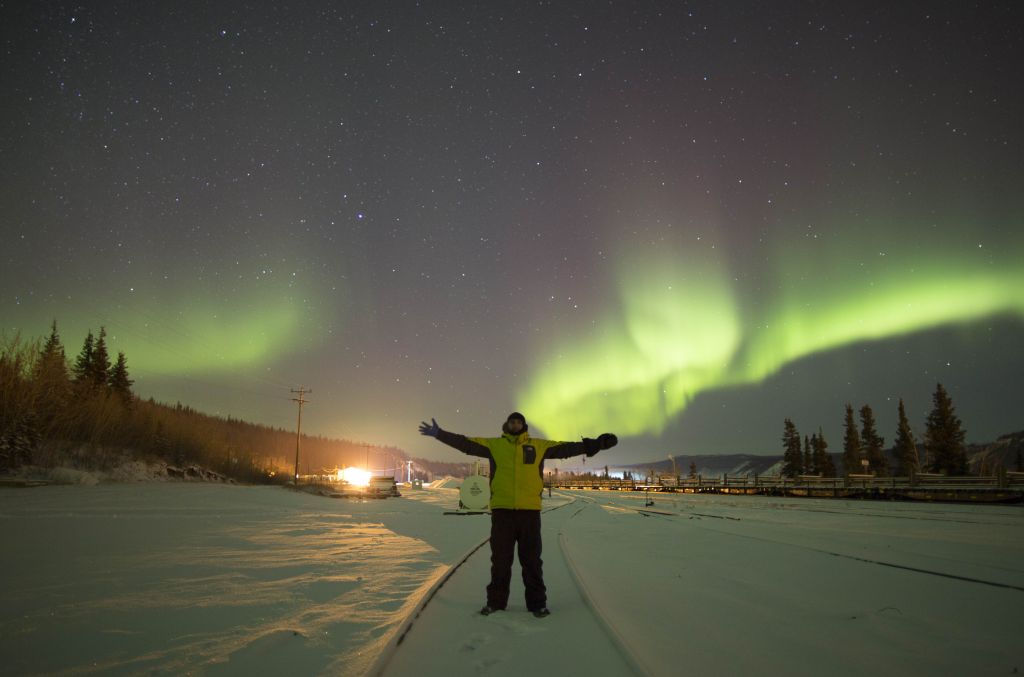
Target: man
517	480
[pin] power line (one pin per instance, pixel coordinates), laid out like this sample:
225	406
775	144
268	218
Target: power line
298	428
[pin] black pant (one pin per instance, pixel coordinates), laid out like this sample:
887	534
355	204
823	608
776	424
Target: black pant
509	527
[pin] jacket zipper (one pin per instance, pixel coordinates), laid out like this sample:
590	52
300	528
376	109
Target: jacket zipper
515	471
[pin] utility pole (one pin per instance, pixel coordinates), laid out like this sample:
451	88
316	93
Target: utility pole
298	428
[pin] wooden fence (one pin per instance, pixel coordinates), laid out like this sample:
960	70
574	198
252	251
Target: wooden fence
1005	487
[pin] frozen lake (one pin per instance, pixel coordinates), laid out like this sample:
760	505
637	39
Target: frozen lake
206	579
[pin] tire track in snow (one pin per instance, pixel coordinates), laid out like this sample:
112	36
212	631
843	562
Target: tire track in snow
604	619
894	565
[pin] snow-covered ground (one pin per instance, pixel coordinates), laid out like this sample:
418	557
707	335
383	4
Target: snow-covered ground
174	578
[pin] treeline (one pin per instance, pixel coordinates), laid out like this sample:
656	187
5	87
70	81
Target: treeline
944	446
84	414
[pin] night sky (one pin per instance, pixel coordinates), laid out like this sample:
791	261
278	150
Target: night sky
679	222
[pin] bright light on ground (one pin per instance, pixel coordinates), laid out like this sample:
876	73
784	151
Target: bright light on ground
355	476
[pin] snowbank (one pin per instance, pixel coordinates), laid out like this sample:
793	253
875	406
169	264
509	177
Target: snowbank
447	482
70	476
126	472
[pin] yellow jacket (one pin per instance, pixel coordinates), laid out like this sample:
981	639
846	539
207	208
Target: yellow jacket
517	463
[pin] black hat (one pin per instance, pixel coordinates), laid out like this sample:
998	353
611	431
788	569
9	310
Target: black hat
516	415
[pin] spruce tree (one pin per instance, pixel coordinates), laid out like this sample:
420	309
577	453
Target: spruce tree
905	447
119	382
53	386
872	443
100	372
822	459
944	436
52	362
693	470
792	458
808	457
814	451
851	444
83	369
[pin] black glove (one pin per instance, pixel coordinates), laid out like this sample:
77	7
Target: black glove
430	429
607	441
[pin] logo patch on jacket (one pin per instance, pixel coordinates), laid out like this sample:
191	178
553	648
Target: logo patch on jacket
529	454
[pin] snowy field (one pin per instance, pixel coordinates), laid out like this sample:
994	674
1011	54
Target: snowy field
164	578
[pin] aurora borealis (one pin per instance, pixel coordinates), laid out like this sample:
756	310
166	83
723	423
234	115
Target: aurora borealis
681	222
665	346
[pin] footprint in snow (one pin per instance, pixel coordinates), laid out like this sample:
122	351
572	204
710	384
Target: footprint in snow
475	642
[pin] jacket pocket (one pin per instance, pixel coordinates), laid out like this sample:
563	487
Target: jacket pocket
529	454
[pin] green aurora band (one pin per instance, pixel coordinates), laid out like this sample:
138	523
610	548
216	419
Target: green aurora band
217	337
193	331
681	329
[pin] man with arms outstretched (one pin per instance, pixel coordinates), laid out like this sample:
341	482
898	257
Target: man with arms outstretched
517	480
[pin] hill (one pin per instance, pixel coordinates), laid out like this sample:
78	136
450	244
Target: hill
85	417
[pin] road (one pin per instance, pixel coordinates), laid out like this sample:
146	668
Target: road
737	584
